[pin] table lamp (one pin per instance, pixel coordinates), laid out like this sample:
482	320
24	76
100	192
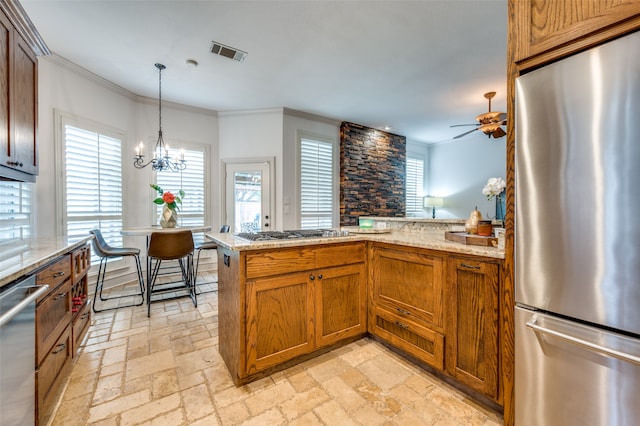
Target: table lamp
432	202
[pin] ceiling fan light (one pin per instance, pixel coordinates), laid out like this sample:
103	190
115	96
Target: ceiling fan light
489	122
492	129
490	117
498	133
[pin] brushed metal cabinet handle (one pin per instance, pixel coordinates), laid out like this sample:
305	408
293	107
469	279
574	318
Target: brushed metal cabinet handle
60	347
401	325
466	265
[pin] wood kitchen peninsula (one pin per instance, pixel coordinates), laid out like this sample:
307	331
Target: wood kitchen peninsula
435	301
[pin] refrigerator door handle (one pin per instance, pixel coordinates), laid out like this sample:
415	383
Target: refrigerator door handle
533	324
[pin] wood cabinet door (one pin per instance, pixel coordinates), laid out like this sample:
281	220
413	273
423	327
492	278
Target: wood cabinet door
472	324
545	26
53	315
24	108
279	320
6	41
340	303
50	376
409	283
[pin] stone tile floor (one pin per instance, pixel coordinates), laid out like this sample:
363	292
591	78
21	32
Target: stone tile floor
166	370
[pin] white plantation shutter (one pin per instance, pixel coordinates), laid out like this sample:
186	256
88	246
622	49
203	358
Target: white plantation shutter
415	179
192	181
15	216
93	184
316	184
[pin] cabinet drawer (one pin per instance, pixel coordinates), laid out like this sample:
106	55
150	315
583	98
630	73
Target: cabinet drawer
55	274
340	254
52	316
280	261
51	375
80	326
421	342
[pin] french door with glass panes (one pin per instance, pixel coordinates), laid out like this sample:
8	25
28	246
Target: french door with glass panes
247	196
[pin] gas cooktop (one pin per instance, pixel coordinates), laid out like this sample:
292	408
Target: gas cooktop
286	235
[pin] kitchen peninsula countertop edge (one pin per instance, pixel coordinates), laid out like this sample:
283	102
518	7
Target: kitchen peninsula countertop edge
428	240
36	252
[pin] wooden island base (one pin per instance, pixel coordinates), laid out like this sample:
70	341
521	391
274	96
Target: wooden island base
278	307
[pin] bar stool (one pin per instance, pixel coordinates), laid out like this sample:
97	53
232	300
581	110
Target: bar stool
208	245
106	252
171	245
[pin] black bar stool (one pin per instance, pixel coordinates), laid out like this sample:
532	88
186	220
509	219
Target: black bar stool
172	245
208	245
106	252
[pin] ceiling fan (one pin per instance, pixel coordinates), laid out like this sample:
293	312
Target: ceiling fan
489	123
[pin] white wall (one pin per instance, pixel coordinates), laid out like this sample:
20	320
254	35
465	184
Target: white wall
247	135
65	87
294	123
458	171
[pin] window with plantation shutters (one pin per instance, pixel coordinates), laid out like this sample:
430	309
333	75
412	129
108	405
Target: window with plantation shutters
415	179
15	216
92	181
192	181
316	183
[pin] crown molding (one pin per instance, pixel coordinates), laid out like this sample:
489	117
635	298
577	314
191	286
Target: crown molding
232	113
280	110
310	116
20	20
83	72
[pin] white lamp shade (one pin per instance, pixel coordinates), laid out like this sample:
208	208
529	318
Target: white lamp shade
433	201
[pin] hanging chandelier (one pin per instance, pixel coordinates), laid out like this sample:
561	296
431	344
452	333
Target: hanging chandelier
161	160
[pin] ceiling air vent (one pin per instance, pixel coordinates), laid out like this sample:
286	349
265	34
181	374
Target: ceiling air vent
227	52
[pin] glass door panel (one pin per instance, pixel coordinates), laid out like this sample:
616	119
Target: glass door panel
247	197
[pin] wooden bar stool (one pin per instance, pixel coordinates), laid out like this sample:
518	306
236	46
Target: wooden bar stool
165	246
106	252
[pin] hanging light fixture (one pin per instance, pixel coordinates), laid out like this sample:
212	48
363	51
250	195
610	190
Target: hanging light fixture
161	160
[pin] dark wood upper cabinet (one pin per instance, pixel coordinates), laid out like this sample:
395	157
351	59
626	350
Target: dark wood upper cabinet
19	44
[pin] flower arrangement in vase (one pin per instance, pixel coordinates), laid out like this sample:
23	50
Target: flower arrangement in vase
170	203
495	188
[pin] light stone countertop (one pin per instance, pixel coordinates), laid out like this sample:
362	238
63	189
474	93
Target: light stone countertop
427	239
32	254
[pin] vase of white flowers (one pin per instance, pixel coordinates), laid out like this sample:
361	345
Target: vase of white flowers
495	189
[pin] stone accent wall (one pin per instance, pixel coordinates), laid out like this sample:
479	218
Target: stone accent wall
372	173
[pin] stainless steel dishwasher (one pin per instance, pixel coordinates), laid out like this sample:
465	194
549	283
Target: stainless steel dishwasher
17	351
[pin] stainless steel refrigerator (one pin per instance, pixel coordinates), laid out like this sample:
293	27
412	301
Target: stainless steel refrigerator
577	255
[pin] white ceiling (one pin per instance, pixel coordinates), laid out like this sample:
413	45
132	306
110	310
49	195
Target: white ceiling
418	66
